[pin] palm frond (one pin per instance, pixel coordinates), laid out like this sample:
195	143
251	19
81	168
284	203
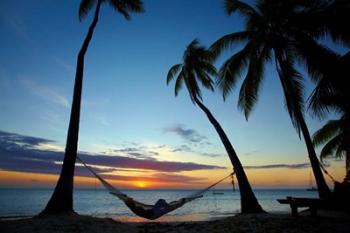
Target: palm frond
340	152
179	82
317	105
193	87
330	147
292	85
172	72
329	130
85	7
125	7
205	79
326	18
231	6
249	91
339	12
196	68
227	42
210	69
231	70
135	6
326	97
318	59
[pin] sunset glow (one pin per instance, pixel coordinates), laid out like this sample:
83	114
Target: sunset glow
141	184
133	131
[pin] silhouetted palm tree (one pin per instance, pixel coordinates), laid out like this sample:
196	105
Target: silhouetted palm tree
332	93
277	32
333	135
197	67
62	199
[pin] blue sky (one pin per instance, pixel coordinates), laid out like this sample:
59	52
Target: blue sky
125	98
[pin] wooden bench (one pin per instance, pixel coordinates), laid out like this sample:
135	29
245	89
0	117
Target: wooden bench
296	202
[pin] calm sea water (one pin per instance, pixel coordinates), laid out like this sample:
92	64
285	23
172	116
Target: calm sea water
15	202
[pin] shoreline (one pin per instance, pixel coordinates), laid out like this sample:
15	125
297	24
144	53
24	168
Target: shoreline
266	222
136	219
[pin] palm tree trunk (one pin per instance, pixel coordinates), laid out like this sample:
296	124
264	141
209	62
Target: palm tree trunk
62	198
249	203
323	190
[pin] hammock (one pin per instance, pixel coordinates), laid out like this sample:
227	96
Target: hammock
160	208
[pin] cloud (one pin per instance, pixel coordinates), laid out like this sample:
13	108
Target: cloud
96	102
140	155
153	152
159	178
272	166
182	148
212	155
20	153
63	64
185	148
139	152
18	27
189	135
251	152
45	93
127	149
10	140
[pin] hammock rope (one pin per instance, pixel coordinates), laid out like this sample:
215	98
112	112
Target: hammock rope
326	172
151	211
233	181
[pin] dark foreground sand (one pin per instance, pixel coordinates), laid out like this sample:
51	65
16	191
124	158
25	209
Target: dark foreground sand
330	222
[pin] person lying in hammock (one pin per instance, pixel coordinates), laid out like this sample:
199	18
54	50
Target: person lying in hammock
160	208
155	211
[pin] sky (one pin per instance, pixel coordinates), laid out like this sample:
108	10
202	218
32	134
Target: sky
133	130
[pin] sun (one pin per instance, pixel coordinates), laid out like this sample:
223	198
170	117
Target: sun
141	184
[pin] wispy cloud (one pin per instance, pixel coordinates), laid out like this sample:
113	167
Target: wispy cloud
103	121
64	64
189	135
251	152
96	102
182	148
23	153
137	151
212	155
45	92
18	27
272	166
159	178
186	148
154	177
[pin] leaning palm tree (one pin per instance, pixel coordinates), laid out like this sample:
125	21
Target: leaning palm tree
197	67
62	198
275	34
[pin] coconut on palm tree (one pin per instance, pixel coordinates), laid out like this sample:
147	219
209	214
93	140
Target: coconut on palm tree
275	33
61	200
197	69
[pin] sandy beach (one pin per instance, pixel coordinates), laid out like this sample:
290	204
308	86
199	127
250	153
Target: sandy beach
326	222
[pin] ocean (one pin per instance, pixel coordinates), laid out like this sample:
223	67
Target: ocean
97	202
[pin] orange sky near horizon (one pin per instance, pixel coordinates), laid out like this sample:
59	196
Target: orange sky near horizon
259	178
